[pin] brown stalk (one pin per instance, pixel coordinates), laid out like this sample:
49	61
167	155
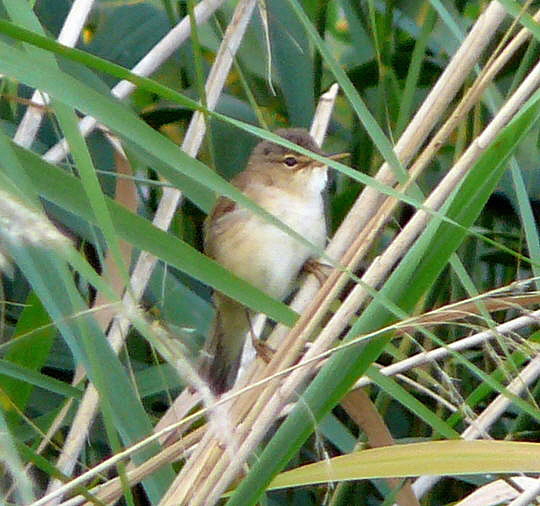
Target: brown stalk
364	413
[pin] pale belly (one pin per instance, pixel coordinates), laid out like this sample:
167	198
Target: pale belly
266	256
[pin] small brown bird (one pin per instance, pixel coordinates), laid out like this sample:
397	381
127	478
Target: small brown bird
290	186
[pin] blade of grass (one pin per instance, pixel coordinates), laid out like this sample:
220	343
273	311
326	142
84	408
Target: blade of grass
438	457
88	344
527	219
31	353
413	74
33	377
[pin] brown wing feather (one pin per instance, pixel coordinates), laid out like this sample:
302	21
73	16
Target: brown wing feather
224	205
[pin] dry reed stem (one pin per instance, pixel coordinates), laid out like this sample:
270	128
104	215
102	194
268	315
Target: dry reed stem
379	269
323	114
528	496
164	214
422	124
497	492
478	38
151	465
427	357
441	316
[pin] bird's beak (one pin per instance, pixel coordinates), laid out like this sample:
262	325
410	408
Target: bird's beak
337	156
333	156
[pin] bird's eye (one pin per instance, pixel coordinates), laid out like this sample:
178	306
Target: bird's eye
290	161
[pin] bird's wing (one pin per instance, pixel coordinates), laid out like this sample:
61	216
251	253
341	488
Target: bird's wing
226	212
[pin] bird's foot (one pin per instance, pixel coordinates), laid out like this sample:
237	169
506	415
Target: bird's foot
262	349
318	269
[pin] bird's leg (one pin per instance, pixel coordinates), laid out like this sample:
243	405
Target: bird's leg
318	269
261	348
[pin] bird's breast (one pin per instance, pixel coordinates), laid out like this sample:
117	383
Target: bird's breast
262	253
282	256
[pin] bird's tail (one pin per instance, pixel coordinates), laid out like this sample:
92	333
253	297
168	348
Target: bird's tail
223	351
